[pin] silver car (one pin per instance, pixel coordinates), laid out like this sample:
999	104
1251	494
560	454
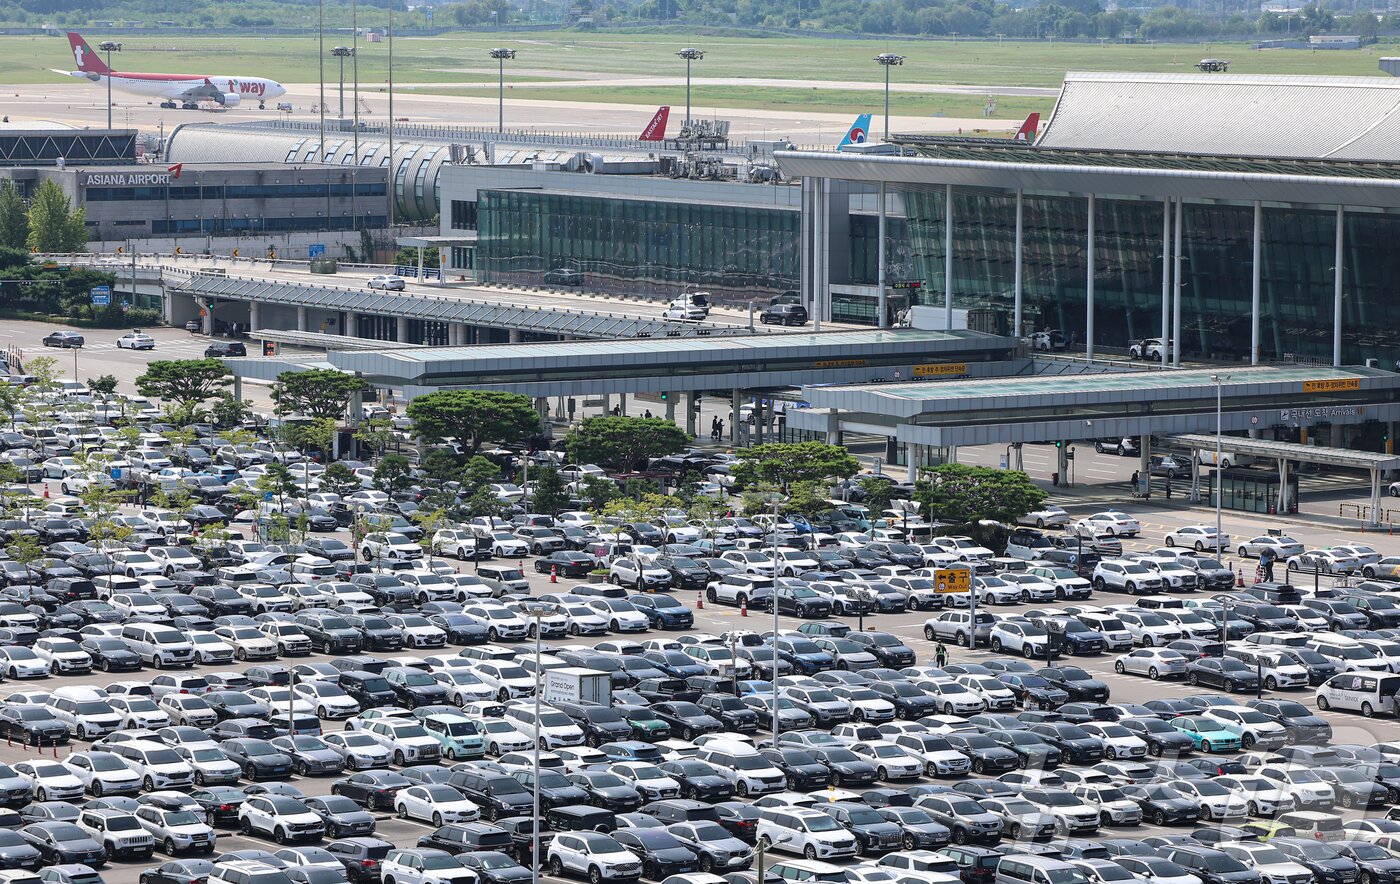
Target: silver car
1154	663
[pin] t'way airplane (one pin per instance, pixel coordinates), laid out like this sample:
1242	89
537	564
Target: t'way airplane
175	90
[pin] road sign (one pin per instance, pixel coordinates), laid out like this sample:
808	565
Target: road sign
101	295
316	250
949	580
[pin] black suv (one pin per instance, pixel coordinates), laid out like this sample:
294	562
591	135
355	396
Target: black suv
225	348
783	314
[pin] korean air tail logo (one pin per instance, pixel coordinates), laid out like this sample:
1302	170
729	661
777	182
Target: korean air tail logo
856	135
859	131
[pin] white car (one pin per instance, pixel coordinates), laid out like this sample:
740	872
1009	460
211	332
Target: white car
330	700
1219	802
139	712
1110	522
593	855
1254	729
387	282
1362	553
1048	516
280	817
248	642
891	761
621	614
436	804
210	648
953	698
1149	628
1152	662
63	656
389	546
211	765
505	545
406	740
51	781
501	737
463	686
650	781
990	690
1282	547
360	750
995	591
189	710
176	829
1309	791
103	773
1198	537
18	662
1034	588
501	622
1326	561
1118	741
963	547
1271	862
1260	795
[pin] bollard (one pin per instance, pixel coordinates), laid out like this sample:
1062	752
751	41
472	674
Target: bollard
1239	581
553	573
699	601
743	607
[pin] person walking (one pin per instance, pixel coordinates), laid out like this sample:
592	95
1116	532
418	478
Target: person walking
1266	562
719	428
940	656
1137	477
1168	487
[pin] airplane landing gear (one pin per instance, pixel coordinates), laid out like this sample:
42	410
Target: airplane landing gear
190	105
167	105
261	106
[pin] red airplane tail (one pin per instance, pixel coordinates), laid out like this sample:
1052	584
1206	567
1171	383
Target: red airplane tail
89	62
1028	129
656	129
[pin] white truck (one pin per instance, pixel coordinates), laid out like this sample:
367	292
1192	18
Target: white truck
574	684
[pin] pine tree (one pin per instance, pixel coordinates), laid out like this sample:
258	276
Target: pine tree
54	226
14	218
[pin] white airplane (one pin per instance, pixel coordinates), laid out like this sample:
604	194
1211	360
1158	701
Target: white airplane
175	90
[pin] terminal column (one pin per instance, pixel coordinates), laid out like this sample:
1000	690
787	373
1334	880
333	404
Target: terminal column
351	326
514	336
401	334
670	409
734	416
690	400
1062	464
254	316
301	319
1145	460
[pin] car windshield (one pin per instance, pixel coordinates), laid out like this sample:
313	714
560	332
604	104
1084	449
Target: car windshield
181	818
434	860
822	823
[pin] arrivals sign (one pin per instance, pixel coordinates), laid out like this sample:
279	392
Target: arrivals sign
1321	412
127	179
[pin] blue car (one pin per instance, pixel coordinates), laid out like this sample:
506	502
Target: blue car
663	611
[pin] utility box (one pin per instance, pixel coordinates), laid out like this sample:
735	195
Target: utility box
573	684
323	265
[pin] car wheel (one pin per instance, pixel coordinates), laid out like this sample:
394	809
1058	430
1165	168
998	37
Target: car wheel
1170	541
996	645
170	847
960	836
148	784
1323	704
962	639
279	835
1159	818
1207	746
1229	686
928	636
810	852
249	773
1253	809
1193	679
1368	710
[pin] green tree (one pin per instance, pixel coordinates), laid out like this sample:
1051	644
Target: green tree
430	521
316	392
783	463
340	479
377	433
640	509
14	218
484	503
54	225
963	494
230	411
479	472
548	495
599	492
187	382
624	443
441	466
806	499
11	395
104	385
393	473
878	491
472	417
280	483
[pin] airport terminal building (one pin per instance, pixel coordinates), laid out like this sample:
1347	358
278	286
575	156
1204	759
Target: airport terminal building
1252	218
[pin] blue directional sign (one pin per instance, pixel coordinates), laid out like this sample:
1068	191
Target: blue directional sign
101	295
316	250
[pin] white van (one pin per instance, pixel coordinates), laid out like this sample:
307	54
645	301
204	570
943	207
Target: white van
158	646
1364	692
159	766
749	772
106	585
85	712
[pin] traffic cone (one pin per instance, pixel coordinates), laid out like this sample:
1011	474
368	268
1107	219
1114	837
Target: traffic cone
743	607
1258	573
553	573
699	601
1239	581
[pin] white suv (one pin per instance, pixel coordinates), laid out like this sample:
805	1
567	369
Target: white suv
282	817
1129	577
406	740
805	831
597	856
749	772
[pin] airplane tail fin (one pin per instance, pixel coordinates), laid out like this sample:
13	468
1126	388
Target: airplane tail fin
656	129
1028	129
858	132
89	62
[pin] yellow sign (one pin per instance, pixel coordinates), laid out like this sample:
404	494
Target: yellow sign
953	580
943	368
1332	385
841	363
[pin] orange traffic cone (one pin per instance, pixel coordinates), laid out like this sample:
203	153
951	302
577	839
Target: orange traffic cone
1239	581
699	601
743	607
553	573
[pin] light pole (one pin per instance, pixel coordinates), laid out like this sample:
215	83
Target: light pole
773	596
1219	381
536	611
888	60
109	46
690	54
342	53
501	55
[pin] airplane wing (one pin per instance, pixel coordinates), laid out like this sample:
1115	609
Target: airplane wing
81	75
205	91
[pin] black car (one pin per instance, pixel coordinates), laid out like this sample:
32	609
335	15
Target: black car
1033	752
699	780
1075	682
377	633
330	633
462	838
496	794
180	871
361	857
32	726
803	771
1222	672
220	349
685	573
1161	738
258	758
600	724
17	853
1076	745
874	834
554	787
784	314
375	789
1328	865
1302	724
1033	691
661	852
1162	805
888	649
236	705
687	719
61	843
1376	863
986	755
341	816
731	711
663	611
607	790
221	601
494	867
566	564
847	768
220	804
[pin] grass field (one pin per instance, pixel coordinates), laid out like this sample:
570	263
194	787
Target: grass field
554	55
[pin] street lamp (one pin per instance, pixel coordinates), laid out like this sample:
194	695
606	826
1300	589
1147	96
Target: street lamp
888	60
536	611
109	46
501	55
689	54
342	53
1219	381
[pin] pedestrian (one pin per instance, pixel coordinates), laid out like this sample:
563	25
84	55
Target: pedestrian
647	414
1168	487
1266	561
719	428
617	411
940	656
1137	477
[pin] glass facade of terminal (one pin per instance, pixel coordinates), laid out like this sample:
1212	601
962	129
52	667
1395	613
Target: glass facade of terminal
1217	267
636	246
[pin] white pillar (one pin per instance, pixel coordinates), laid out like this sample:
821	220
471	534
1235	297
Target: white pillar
734	416
1175	342
1337	290
301	319
1166	277
690	414
1089	288
402	333
948	257
351	327
420	263
254	316
514	336
1017	282
821	255
911	454
880	261
1255	283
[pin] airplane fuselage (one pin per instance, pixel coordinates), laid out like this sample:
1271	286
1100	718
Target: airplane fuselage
178	87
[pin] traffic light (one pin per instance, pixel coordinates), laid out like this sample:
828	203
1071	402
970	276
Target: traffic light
1059	445
665	396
